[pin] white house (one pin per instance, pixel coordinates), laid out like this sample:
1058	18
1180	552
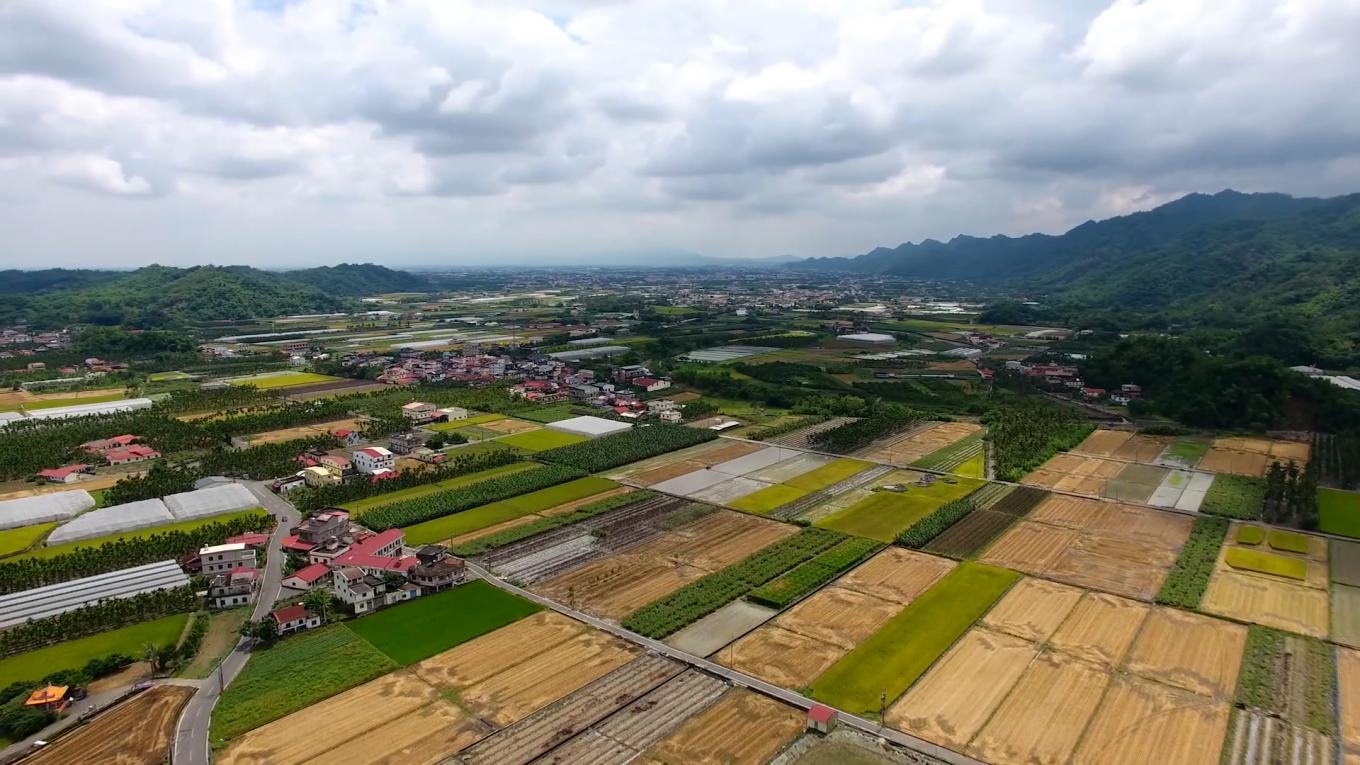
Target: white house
373	459
419	411
294	619
454	413
218	559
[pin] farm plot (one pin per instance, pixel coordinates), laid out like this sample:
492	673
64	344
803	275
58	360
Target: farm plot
742	728
538	440
421	628
1075	474
1122	549
986	523
1348	696
617	585
919	442
885	514
1246	593
1182	490
1344	558
1102	443
1285	698
276	380
1184	453
1346	615
798	439
136	732
808	638
731	480
719	628
654	470
1173	726
533	503
1135	483
1339	512
1141	448
304	431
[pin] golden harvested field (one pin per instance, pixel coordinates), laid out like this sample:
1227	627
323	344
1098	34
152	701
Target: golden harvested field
1291	451
533	684
1219	460
395	711
1033	609
615	586
1075	473
950	704
136	732
914	446
742	728
1043	718
510	426
303	431
692	458
1121	549
483	657
1278	451
779	656
1141	448
1197	653
1348	692
838	616
1271	602
1145	723
1100	628
1103	443
896	574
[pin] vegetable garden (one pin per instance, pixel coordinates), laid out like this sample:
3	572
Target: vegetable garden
1186	582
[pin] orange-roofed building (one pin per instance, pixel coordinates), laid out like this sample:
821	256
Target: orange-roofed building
51	698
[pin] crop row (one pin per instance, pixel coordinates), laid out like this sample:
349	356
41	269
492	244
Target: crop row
1020	501
852	435
1185	584
814	573
524	531
433	506
628	446
788	426
704	596
921	533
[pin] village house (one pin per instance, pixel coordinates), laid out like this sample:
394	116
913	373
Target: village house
134	453
295	618
436	570
404	443
419	412
348	437
217	559
308	577
104	444
651	384
373	459
67	474
233	588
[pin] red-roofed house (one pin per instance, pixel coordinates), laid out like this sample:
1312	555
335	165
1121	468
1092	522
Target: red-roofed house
134	453
104	444
294	619
347	436
373	459
67	474
650	384
821	718
308	577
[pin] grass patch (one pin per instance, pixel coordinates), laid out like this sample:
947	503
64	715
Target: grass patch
542	440
973	467
425	626
546	414
1266	563
1289	541
293	674
289	380
18	540
1250	535
891	659
53	403
476	419
73	654
828	475
767	499
1339	512
1186	451
190	525
169	376
1234	496
466	521
223	631
360	506
886	514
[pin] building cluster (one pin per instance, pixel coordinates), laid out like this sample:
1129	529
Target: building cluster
1068	377
118	450
19	340
622	394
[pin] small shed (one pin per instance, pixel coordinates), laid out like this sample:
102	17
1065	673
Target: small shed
821	718
51	698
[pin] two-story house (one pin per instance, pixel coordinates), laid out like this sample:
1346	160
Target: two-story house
233	588
373	459
294	619
217	559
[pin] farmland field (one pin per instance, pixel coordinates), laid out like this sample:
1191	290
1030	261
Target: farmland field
17	540
360	506
1044	716
271	381
742	728
1033	609
1339	512
295	674
1196	653
885	514
541	440
1290	594
136	732
1346	615
902	650
423	627
459	523
62	549
920	442
763	501
1178	726
1348	694
73	654
484	656
1075	473
1100	628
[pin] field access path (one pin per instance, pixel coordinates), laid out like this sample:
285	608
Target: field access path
736	678
190	746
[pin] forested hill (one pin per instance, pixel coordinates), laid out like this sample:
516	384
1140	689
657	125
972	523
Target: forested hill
160	296
1090	246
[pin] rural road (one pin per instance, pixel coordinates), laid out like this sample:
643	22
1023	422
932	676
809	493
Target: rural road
191	735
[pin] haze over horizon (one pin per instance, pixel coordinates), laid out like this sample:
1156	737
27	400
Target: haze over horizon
281	133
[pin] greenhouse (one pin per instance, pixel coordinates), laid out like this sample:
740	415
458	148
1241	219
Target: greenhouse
215	500
83	410
43	508
44	602
112	520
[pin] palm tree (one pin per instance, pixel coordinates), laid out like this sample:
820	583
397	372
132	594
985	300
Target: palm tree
320	603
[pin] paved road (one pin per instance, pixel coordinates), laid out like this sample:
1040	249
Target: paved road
191	735
736	678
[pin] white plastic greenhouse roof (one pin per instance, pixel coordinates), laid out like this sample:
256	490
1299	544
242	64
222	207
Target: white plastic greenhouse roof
214	500
81	410
44	602
589	426
110	520
43	508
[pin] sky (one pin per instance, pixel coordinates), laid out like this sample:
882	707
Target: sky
282	133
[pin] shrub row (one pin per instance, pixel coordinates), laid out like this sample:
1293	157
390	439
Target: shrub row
852	435
811	575
704	596
27	573
1185	584
921	533
308	500
517	533
429	507
628	446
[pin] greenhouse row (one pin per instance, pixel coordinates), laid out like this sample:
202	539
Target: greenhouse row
148	513
43	508
44	602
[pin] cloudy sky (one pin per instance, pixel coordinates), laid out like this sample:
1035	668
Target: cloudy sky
296	132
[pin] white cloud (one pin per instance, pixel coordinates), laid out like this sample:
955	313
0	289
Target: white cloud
408	130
